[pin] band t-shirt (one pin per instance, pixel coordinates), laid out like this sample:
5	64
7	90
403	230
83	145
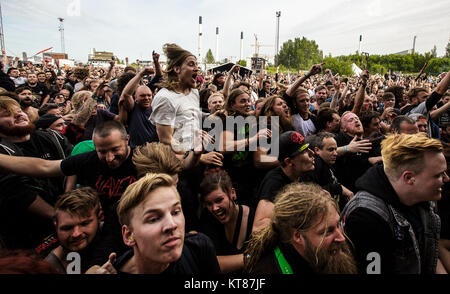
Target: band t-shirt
92	172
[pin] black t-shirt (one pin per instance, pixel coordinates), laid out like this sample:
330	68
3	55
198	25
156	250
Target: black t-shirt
272	183
240	167
91	172
198	258
18	227
216	231
350	166
40	91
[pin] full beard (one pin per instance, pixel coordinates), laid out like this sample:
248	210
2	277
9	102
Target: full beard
17	131
325	262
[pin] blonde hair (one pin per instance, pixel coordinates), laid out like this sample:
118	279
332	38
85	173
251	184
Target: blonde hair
77	99
137	192
402	152
156	158
217	94
298	206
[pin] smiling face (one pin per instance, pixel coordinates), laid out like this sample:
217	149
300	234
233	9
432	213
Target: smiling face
428	183
215	103
144	97
221	205
324	246
156	230
112	149
242	104
15	123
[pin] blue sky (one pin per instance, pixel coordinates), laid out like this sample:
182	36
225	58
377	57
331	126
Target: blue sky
134	28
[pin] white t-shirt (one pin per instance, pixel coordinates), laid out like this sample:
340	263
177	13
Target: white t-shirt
304	127
182	112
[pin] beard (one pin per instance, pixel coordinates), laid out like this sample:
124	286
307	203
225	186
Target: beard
327	262
17	131
26	103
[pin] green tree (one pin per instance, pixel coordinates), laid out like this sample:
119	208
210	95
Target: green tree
209	58
242	62
344	68
300	53
434	52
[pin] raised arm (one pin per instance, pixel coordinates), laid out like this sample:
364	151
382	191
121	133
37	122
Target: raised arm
158	68
361	93
226	87
315	69
130	88
109	73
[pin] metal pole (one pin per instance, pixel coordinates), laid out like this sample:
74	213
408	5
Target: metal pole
199	39
2	36
242	47
217	44
61	29
414	45
277	38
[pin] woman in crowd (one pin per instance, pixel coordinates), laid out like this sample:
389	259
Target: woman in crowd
227	223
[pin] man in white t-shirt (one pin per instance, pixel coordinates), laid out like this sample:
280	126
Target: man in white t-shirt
181	113
176	108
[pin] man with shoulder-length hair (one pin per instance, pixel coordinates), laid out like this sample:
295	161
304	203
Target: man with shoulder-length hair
304	236
392	217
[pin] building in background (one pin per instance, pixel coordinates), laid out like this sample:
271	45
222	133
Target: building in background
100	58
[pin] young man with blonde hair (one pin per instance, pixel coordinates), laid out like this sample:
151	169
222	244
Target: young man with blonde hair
391	220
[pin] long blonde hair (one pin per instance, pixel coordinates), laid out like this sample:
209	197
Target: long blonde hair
298	206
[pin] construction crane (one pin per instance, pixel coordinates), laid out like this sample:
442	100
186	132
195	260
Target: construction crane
257	46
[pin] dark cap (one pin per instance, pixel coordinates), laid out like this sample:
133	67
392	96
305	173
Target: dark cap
291	144
46	120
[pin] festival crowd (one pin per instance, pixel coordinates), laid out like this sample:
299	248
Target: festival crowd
176	170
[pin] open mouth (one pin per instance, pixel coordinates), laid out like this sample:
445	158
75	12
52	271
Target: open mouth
194	78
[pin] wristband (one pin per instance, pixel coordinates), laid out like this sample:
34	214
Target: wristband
307	75
345	148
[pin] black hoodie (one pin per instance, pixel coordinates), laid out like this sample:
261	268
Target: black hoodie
368	231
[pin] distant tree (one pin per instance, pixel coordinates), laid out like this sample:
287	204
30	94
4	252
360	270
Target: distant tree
209	58
344	68
300	53
242	62
434	52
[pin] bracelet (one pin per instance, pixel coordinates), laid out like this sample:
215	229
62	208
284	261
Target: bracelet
345	148
307	75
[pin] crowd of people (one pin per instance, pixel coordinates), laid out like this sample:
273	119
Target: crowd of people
176	170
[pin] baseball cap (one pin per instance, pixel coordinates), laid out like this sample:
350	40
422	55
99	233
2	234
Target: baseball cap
290	144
